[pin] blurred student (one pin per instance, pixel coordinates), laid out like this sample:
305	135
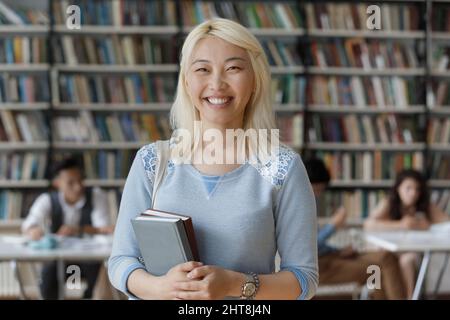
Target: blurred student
71	210
407	207
347	265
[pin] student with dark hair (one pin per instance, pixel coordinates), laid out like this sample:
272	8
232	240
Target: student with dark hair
407	207
70	210
346	265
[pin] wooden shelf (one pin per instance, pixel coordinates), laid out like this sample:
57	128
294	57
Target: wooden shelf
440	147
269	32
291	107
367	72
114	106
392	34
109	30
25	67
95	146
440	35
287	69
375	184
33	30
440	111
436	73
24	184
435	183
24	106
103	183
365	109
115	68
339	146
23	146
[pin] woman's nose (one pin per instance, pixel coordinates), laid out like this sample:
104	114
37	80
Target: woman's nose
217	81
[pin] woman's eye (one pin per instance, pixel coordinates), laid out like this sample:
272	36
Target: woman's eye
201	70
234	68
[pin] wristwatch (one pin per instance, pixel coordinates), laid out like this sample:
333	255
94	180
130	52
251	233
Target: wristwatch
250	286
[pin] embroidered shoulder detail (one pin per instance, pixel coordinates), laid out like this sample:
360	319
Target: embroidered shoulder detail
149	159
276	169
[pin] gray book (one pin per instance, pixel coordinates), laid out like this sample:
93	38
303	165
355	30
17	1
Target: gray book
163	240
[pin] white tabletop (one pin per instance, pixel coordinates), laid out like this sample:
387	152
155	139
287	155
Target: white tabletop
95	248
417	241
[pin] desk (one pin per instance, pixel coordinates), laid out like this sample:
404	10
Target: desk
426	242
97	248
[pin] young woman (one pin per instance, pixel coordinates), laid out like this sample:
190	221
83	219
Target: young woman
408	207
242	212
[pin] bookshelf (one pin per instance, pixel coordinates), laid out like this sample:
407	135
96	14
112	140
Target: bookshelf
409	93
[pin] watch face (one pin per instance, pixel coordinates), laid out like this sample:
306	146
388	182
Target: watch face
249	289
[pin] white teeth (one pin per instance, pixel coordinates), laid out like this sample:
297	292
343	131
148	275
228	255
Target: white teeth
218	100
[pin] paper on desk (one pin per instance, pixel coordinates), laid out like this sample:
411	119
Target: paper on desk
441	227
15	239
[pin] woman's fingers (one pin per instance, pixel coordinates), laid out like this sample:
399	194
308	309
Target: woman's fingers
188	266
199	272
188	286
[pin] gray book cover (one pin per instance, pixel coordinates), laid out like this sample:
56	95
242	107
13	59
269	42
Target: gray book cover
163	243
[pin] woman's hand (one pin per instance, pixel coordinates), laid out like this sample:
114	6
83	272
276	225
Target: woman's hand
414	223
175	276
210	283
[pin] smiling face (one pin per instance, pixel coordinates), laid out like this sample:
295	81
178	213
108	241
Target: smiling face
219	81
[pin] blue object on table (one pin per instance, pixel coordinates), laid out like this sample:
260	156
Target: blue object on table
46	242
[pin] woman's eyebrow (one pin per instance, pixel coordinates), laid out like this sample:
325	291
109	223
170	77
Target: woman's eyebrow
226	60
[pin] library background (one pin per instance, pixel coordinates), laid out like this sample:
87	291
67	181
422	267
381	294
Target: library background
367	102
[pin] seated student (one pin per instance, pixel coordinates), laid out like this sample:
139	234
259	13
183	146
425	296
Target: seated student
346	265
407	207
69	211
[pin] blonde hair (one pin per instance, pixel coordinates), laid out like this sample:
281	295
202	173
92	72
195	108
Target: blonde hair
259	112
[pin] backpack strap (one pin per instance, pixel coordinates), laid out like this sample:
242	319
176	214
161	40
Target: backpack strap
163	155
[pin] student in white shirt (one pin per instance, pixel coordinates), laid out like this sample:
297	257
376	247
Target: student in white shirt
69	211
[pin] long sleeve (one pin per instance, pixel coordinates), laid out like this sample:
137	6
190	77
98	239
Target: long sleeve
296	228
136	198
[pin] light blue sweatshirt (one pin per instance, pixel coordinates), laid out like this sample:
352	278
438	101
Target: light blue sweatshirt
240	221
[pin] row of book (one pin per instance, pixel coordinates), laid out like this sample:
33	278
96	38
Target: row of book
282	53
23	88
291	129
251	14
352	16
118	12
23	126
358	203
117	127
114	49
107	164
143	88
361	53
440	93
377	92
23	166
15	205
20	49
288	89
369	165
135	88
438	130
439	164
441	57
322	15
441	17
101	164
441	198
351	128
19	15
